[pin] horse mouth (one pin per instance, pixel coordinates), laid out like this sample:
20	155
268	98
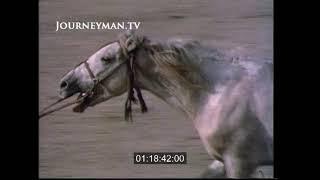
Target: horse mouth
82	105
90	99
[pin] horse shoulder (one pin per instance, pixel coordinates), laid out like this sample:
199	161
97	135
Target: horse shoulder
221	113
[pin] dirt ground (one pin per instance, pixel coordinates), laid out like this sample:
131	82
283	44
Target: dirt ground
98	142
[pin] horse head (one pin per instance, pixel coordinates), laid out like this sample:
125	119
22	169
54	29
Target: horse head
107	73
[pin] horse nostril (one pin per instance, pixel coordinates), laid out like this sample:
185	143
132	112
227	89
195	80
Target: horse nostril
63	85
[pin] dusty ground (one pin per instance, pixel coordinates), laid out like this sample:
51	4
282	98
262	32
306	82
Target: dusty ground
99	143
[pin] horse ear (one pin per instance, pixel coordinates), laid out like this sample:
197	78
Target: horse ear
131	44
129	39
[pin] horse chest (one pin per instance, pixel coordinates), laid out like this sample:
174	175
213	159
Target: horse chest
208	122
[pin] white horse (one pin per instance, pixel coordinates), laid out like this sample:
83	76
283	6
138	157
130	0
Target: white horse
229	102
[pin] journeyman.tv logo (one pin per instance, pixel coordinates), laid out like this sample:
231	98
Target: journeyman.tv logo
77	25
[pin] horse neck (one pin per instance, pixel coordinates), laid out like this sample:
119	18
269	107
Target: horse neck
179	96
179	93
173	91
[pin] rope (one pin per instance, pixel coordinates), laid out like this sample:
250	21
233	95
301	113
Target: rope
42	114
52	105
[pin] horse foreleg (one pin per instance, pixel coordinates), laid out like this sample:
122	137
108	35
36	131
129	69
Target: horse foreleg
237	167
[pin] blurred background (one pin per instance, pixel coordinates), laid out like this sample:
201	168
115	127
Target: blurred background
98	142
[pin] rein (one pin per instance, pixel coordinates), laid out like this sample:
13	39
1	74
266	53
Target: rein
61	107
96	82
131	97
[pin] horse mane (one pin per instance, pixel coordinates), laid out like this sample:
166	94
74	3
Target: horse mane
177	60
182	60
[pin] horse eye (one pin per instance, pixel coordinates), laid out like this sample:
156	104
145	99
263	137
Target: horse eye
105	59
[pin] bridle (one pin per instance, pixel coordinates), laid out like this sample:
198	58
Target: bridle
93	78
130	62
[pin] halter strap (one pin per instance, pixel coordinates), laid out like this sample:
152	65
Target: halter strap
94	79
